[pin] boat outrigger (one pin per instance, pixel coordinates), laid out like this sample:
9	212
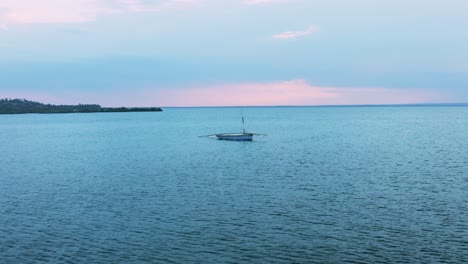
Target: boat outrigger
242	136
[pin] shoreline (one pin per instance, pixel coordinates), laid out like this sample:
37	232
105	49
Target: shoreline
105	110
23	106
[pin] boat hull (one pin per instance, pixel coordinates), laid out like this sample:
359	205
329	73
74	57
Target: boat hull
235	136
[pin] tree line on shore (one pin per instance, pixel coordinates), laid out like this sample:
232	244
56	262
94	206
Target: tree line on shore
23	106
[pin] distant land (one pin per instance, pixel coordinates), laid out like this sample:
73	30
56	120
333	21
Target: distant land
23	106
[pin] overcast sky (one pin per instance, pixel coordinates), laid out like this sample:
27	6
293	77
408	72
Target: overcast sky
234	52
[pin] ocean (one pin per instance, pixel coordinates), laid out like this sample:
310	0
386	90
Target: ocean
326	185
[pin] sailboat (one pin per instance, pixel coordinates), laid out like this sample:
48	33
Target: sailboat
240	136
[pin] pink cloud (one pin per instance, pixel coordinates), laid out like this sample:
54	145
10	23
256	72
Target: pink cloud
296	34
293	92
48	11
76	11
259	2
275	93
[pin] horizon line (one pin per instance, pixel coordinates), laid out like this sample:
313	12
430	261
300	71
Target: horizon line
251	106
337	105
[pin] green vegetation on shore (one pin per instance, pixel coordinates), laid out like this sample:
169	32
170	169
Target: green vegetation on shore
22	106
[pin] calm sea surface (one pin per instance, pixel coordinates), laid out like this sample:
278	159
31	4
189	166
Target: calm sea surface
327	185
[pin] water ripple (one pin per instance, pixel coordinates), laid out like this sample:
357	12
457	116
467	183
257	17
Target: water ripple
331	185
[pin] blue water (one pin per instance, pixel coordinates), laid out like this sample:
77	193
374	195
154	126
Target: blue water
327	185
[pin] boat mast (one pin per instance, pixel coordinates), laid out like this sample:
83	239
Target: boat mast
243	125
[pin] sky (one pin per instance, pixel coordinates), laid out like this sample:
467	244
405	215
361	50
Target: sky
234	52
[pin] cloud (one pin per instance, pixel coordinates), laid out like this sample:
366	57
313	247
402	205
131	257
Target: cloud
136	6
48	11
295	34
76	11
293	92
280	93
259	2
